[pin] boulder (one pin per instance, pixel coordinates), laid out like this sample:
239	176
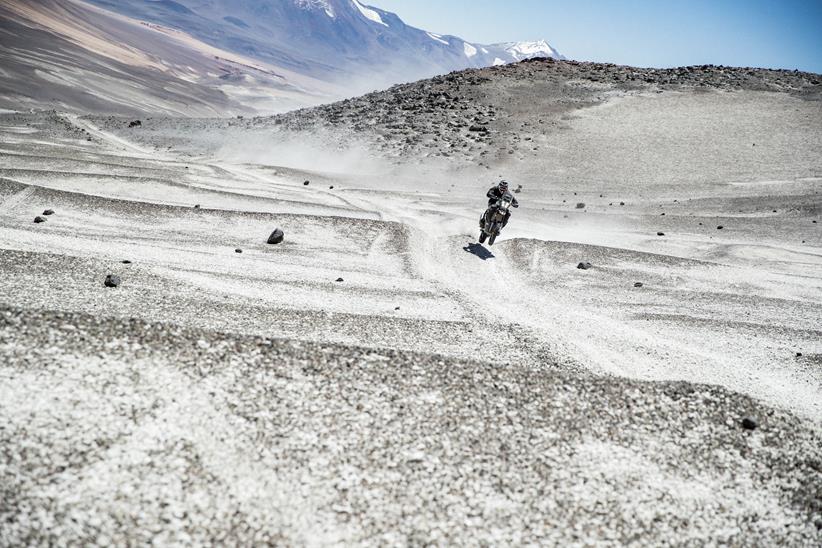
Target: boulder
585	266
340	280
660	234
276	237
39	219
306	183
112	281
238	250
135	123
48	212
639	284
581	205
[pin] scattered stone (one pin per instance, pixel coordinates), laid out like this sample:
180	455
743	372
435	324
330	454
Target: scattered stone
581	205
799	354
39	219
135	123
639	284
126	262
48	212
331	187
340	280
276	237
750	423
197	206
585	266
397	308
238	250
622	203
306	183
720	227
112	281
660	234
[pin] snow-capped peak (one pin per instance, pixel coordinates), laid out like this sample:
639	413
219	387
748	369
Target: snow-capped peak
526	50
368	13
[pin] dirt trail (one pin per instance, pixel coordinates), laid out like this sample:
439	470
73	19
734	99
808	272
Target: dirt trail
552	316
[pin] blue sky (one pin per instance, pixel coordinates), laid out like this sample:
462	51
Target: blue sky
661	33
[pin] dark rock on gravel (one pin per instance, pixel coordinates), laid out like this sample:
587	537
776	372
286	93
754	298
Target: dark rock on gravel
585	266
48	212
580	205
238	250
340	280
39	219
112	281
660	234
720	227
135	123
639	284
306	183
750	423
276	237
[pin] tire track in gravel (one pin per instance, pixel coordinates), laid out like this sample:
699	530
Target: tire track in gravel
436	255
14	200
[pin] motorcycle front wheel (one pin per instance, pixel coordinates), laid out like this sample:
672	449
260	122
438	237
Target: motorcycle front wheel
492	239
482	237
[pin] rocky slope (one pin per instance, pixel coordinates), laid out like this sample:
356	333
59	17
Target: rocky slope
493	110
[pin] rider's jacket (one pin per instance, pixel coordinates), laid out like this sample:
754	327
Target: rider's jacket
495	194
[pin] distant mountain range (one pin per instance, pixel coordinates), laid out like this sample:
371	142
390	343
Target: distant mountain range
303	51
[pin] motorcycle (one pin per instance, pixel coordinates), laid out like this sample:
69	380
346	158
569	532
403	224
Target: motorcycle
494	218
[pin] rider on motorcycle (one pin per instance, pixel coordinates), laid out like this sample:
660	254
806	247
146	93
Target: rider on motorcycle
494	194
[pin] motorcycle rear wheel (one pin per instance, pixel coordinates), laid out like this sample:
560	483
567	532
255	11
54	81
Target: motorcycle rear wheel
492	239
482	237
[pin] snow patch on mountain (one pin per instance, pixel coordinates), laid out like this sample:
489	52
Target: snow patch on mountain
317	5
368	13
470	50
437	38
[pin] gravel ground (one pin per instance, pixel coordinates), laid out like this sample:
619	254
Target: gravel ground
121	431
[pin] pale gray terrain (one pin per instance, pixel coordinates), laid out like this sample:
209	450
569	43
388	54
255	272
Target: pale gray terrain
381	378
